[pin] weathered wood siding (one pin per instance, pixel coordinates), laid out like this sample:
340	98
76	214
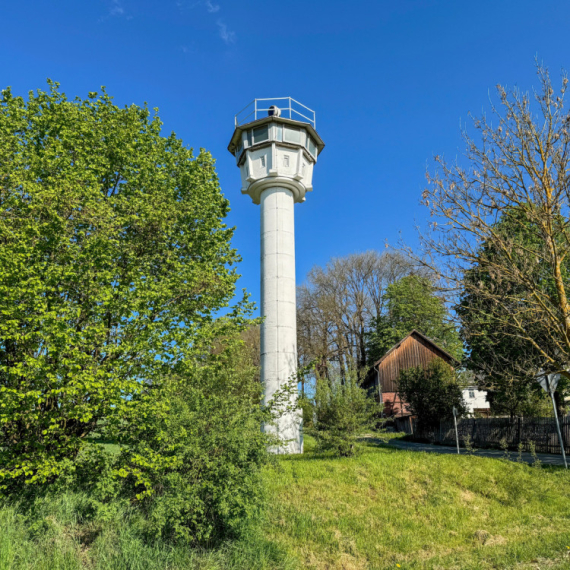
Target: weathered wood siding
412	351
393	404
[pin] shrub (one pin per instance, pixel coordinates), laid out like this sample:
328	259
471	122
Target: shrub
337	414
431	393
191	455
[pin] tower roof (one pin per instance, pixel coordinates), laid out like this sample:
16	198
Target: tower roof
236	137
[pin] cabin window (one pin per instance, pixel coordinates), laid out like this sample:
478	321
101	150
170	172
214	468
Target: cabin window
260	134
292	135
311	146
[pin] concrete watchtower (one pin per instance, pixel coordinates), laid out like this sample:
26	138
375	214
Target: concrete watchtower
276	147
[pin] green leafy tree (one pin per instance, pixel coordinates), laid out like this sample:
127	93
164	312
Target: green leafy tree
114	258
504	361
338	413
431	393
412	303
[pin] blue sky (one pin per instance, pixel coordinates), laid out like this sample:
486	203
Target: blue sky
391	83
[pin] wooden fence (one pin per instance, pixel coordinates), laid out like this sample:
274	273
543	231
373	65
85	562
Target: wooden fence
493	432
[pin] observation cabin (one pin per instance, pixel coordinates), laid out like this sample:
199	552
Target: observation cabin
275	143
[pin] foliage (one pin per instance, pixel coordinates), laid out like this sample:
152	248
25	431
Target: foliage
113	259
251	337
337	414
329	512
412	302
431	393
62	533
194	464
336	306
506	363
187	465
519	161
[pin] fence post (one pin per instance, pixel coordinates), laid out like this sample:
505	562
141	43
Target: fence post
562	446
456	432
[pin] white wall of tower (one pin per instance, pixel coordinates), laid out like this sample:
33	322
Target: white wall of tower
278	306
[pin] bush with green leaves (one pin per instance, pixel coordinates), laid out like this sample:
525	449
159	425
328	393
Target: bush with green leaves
190	456
114	260
431	393
338	413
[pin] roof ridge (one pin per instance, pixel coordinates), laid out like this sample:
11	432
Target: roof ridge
412	332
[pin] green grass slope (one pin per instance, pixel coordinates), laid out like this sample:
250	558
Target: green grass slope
383	508
388	507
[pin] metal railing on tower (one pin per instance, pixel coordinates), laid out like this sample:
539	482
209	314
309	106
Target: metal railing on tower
288	108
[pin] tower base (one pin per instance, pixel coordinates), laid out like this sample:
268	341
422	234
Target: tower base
288	429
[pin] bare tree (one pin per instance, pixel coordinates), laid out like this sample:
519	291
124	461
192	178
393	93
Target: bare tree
517	168
337	304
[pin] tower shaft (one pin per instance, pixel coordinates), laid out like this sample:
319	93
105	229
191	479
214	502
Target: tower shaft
278	307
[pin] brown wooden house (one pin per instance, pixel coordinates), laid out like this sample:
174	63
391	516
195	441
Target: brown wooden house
413	350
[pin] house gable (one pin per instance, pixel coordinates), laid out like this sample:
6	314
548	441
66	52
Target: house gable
413	350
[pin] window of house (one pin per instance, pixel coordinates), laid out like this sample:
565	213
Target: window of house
472	394
286	161
263	161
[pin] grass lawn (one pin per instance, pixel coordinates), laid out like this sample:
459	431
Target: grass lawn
384	508
388	507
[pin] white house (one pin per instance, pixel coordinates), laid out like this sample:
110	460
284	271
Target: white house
476	400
